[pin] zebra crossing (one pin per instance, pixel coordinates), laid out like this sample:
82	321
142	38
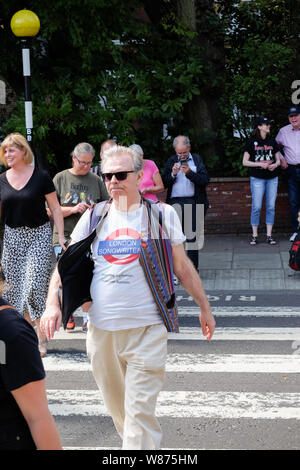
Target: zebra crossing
239	391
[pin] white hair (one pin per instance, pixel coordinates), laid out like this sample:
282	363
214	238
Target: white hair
83	147
137	148
181	139
118	150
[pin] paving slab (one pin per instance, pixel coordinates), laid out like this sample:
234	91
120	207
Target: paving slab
257	260
267	279
208	277
231	279
285	256
216	260
291	279
229	262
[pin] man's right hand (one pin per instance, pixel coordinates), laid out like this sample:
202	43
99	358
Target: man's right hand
51	321
80	208
176	168
283	163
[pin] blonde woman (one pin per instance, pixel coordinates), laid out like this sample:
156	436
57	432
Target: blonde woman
27	242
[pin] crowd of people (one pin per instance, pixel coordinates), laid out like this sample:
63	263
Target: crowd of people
127	319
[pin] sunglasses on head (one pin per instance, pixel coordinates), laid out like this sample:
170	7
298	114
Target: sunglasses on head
120	175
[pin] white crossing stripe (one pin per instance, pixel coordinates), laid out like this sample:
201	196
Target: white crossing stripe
187	404
254	363
222	333
235	311
243	311
240	334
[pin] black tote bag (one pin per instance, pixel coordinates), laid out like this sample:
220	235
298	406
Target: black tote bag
75	267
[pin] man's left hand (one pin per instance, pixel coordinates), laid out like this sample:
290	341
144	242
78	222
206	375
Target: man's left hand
208	324
51	321
62	242
185	169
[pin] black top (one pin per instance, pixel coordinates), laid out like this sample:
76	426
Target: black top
262	150
26	206
20	361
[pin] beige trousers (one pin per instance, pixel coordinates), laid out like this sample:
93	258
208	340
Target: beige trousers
129	369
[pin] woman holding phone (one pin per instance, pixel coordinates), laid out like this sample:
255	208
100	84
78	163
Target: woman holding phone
262	157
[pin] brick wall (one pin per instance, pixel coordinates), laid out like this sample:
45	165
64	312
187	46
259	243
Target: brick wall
230	207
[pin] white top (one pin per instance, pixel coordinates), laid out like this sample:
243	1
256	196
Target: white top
122	298
183	187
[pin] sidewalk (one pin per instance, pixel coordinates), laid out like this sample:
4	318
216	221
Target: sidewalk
228	262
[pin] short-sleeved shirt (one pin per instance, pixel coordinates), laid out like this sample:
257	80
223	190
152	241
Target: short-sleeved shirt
26	207
20	361
150	169
289	138
72	189
121	295
262	150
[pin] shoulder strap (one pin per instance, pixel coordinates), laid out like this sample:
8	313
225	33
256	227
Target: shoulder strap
97	213
159	234
154	212
3	307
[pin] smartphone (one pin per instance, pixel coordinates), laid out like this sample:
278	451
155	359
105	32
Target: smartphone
184	162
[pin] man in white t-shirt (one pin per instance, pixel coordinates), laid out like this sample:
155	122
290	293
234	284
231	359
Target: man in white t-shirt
127	337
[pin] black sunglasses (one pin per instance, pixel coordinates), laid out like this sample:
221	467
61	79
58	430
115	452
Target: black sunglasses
120	175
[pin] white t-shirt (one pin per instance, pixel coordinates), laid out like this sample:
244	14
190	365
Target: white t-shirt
183	186
122	298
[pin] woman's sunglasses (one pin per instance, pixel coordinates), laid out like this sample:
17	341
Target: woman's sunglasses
120	175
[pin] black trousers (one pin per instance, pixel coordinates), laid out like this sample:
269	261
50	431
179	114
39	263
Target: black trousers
188	217
294	194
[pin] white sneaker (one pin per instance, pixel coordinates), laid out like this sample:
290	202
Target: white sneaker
293	236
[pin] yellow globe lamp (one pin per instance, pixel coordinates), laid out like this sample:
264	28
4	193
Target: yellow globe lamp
25	23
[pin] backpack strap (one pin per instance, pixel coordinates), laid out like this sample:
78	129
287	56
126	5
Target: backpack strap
98	212
156	261
3	307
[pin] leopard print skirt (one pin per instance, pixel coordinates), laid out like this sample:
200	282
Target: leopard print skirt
27	264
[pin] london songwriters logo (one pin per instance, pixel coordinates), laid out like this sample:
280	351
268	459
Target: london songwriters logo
121	247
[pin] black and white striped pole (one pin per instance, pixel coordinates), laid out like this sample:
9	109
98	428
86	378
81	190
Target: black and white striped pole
27	84
25	24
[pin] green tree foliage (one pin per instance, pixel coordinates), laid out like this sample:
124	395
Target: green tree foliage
124	69
261	65
99	71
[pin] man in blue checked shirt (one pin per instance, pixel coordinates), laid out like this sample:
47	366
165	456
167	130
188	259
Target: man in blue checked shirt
186	178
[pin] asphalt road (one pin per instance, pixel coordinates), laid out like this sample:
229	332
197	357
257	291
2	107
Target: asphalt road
239	391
